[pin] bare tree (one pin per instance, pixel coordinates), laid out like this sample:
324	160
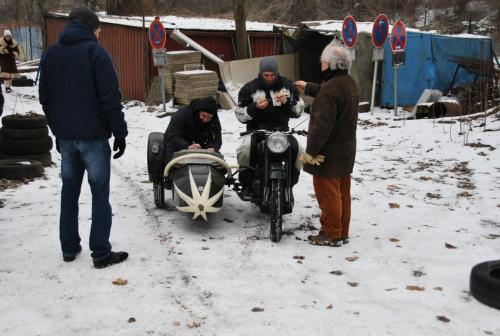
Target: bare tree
240	19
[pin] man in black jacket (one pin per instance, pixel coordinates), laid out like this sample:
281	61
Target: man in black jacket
267	102
196	126
80	96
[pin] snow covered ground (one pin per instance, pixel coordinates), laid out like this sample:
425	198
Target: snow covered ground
418	192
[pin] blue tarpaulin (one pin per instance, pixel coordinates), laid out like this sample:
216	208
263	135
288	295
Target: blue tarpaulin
427	65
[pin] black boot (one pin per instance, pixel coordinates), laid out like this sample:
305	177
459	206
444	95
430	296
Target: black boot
67	257
114	258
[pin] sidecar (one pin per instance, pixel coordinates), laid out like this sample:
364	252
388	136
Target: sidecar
196	178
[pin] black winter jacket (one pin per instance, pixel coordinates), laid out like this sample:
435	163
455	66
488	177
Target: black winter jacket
185	129
275	116
79	89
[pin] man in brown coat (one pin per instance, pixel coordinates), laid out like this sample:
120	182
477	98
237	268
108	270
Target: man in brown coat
331	144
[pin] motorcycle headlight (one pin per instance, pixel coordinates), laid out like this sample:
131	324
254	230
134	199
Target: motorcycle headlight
277	143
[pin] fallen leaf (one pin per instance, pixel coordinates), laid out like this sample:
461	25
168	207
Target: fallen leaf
394	205
228	220
394	240
336	272
449	246
418	273
353	284
438	288
353	258
176	323
193	324
443	318
205	248
131	320
120	282
390	289
330	306
415	288
257	309
299	257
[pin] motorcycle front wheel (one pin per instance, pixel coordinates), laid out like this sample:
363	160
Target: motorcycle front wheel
276	209
159	194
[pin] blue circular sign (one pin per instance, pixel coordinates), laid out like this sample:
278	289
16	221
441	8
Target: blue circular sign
380	30
349	32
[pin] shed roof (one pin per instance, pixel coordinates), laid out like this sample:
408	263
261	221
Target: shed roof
332	26
185	23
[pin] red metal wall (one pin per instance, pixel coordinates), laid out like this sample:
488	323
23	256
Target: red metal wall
125	45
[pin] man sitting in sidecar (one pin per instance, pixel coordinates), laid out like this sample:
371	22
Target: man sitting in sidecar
194	133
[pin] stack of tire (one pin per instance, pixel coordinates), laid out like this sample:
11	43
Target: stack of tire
25	146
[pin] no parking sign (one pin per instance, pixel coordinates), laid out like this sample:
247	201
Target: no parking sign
380	30
398	37
349	32
157	34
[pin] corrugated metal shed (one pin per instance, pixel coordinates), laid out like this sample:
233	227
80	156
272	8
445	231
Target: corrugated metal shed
125	41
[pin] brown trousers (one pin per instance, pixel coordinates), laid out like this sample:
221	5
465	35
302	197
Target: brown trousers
334	199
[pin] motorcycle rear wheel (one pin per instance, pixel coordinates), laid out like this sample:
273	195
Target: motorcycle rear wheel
276	209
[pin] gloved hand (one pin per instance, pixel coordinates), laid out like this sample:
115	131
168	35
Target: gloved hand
58	149
119	145
315	161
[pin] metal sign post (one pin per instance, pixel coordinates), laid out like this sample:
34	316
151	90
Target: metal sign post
398	45
157	38
380	31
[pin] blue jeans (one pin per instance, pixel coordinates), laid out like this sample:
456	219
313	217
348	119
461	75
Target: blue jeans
94	157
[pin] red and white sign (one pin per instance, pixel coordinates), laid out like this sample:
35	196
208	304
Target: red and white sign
157	35
398	37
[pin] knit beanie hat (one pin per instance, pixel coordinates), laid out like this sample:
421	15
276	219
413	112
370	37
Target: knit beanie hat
86	16
207	104
7	32
268	64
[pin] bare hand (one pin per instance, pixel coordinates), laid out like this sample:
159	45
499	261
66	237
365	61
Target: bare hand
300	85
211	149
194	146
262	103
282	98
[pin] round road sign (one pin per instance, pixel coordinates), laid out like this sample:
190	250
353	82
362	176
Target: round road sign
380	30
398	37
157	34
349	32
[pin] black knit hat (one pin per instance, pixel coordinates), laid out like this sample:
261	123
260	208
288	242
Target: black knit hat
86	16
207	104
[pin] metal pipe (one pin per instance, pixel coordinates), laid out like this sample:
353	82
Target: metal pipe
374	84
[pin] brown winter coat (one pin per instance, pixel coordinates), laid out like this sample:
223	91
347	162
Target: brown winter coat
8	54
332	127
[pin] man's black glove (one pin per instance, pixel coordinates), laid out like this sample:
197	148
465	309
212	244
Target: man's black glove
57	146
119	145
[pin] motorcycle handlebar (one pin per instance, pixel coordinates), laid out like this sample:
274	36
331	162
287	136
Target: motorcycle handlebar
264	131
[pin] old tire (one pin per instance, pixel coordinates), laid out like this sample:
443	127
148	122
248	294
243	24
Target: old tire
19	169
20	121
24	134
25	147
276	209
485	283
159	194
44	158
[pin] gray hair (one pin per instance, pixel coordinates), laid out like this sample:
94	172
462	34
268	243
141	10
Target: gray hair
337	56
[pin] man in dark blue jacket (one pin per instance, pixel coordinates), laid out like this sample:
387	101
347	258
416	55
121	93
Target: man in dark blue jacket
80	96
